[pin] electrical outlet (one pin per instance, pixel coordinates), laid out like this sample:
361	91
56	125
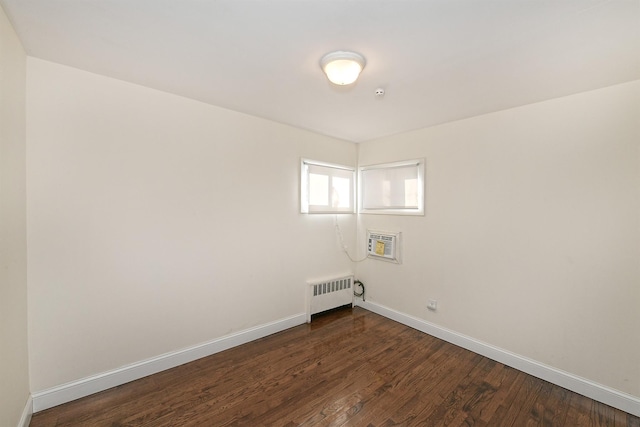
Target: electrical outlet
432	305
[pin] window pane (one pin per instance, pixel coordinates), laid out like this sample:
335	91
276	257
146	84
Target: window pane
393	188
387	187
318	190
386	192
411	193
341	192
326	188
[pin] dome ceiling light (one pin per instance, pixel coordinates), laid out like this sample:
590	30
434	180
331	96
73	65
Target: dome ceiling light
342	68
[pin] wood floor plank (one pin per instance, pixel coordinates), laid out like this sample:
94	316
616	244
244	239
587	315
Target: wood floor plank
363	373
450	406
505	397
629	420
477	397
395	376
395	397
330	373
579	412
520	409
501	381
556	407
423	387
348	368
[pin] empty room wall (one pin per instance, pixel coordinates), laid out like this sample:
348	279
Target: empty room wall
14	373
531	237
157	222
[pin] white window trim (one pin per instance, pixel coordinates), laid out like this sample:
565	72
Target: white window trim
420	163
304	188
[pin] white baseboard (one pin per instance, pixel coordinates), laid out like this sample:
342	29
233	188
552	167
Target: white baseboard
27	412
84	387
601	393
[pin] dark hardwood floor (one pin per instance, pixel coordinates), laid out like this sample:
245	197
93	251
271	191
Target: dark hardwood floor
347	368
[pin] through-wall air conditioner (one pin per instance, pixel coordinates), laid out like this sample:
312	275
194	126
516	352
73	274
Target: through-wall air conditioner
384	246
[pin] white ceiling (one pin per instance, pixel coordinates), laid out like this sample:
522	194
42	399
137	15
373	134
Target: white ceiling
438	60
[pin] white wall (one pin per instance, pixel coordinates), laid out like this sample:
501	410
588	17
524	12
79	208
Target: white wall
531	238
157	222
14	374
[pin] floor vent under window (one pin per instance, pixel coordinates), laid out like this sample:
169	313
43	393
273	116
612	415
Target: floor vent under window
328	294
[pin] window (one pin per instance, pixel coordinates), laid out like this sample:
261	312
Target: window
393	188
326	188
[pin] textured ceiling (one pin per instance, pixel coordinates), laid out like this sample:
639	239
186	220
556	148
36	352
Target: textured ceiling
438	60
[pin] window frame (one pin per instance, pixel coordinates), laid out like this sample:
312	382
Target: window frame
306	207
420	174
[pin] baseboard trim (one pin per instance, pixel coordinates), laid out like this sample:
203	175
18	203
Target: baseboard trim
27	412
601	393
86	386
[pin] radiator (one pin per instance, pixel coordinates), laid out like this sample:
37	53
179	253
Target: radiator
327	294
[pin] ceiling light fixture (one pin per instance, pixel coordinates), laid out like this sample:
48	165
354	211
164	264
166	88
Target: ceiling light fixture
342	68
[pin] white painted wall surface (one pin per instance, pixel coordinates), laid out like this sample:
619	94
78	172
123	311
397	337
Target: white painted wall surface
156	222
531	238
14	373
